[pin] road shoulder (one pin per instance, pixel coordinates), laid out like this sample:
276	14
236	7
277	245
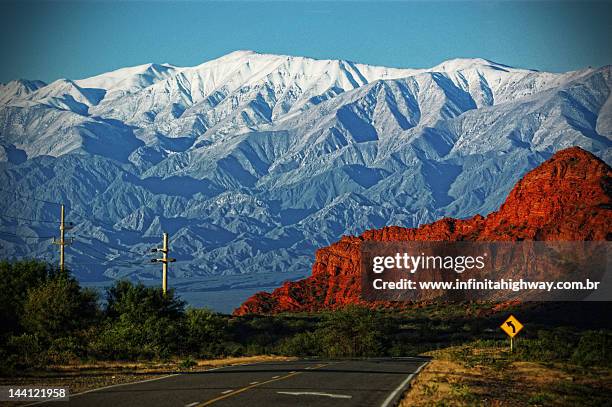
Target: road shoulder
472	376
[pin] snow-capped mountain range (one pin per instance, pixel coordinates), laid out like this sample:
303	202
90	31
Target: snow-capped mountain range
252	161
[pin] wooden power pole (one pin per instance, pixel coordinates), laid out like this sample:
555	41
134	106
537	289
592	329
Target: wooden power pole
165	250
62	243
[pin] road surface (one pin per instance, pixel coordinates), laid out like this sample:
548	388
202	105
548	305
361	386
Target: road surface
370	382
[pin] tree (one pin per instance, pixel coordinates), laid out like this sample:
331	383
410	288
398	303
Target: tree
141	322
138	302
59	307
16	279
205	332
355	331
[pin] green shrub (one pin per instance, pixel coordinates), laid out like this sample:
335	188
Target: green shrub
354	331
550	345
136	302
58	307
16	280
593	349
116	341
301	344
64	350
25	351
141	322
540	399
205	333
187	363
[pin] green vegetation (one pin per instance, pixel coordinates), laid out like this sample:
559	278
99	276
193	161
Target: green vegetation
589	348
48	319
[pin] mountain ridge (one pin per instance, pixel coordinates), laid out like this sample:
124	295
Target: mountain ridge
253	162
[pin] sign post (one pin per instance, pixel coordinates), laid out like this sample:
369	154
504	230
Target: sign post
511	326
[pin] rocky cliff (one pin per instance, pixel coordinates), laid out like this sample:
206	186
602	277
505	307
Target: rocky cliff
567	198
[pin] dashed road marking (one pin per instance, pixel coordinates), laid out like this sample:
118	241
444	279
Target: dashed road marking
238	391
315	393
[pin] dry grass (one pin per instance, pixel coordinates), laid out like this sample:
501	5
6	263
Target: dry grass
157	367
447	381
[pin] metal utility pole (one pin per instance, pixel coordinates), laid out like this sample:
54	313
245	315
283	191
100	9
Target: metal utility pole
165	250
62	240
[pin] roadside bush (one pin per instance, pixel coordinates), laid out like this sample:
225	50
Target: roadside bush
58	307
64	350
403	348
117	341
25	351
550	345
301	344
187	363
562	345
355	332
234	349
141	322
137	302
206	333
594	349
16	280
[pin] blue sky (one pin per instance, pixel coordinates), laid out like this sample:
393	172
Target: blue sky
51	39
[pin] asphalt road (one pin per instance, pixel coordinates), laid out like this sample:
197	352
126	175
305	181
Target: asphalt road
370	382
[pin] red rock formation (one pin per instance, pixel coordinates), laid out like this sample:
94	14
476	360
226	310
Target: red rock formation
568	198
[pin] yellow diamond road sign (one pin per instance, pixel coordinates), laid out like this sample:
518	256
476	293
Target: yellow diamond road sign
511	326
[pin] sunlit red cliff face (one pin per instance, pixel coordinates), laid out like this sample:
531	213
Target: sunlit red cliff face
568	198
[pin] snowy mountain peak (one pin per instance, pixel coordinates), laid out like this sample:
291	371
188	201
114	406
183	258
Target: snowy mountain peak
246	90
461	64
18	89
29	85
129	79
241	53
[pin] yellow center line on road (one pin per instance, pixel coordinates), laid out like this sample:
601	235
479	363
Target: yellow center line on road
238	391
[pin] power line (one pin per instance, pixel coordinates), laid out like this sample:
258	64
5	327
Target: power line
89	248
129	251
118	262
26	236
29	197
119	249
29	220
101	258
99	222
111	247
110	265
125	262
72	211
90	219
